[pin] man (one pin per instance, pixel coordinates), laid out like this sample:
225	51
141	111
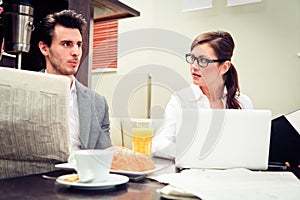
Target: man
61	45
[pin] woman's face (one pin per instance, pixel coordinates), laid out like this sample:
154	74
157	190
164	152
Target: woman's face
209	75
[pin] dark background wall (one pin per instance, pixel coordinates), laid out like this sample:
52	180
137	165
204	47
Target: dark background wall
33	60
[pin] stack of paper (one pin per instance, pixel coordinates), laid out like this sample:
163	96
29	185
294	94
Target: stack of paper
232	184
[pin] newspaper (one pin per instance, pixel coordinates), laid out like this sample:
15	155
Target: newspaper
230	184
34	132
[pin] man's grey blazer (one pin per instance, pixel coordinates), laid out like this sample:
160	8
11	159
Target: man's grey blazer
94	124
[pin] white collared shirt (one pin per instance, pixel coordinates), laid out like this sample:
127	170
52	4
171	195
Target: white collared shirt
164	142
74	118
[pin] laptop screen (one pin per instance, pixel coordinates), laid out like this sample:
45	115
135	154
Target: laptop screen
223	138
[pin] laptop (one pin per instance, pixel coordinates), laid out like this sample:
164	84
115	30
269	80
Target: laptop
223	139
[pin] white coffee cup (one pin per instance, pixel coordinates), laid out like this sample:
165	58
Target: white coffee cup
92	165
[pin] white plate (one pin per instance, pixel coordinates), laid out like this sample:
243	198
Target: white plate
67	166
157	168
113	180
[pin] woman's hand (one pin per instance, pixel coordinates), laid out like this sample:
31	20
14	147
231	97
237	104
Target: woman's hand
288	164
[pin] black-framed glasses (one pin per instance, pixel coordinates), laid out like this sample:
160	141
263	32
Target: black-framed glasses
201	61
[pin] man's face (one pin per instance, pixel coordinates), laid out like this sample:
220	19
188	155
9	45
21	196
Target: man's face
63	57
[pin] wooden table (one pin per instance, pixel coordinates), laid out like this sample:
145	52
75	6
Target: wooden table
36	187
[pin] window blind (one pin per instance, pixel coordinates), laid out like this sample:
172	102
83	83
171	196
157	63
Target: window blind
105	44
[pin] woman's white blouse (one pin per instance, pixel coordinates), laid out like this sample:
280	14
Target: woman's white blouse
164	141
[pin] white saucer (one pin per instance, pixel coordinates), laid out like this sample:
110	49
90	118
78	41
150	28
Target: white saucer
113	180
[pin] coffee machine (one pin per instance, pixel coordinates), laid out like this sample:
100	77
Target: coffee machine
17	20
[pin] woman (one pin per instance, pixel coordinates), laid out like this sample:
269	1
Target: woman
215	85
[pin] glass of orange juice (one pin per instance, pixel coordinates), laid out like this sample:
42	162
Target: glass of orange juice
142	134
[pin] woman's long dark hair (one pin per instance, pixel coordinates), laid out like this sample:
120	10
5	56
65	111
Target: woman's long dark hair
223	45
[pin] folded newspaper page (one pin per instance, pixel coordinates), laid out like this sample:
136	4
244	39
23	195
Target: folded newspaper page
34	132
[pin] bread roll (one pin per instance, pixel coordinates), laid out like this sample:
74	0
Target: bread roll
125	159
